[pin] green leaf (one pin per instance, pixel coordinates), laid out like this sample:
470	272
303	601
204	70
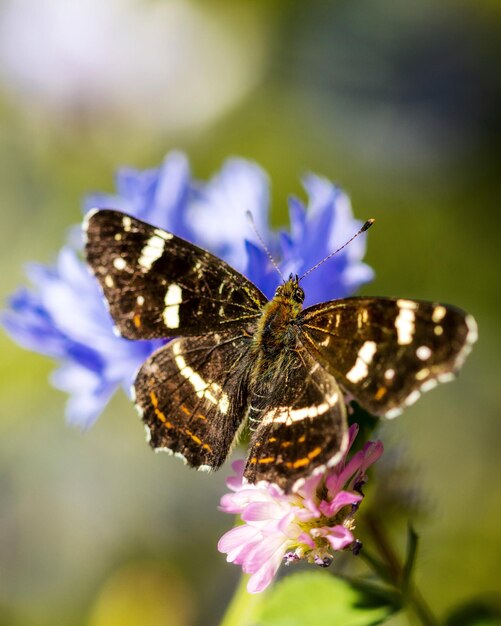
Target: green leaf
410	561
477	612
313	598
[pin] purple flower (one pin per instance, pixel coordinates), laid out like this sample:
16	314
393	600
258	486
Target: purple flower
63	315
311	524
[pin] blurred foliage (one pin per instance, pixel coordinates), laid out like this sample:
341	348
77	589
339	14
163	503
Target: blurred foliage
142	595
398	102
316	598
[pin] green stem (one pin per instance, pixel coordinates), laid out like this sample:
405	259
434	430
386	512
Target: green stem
396	574
242	608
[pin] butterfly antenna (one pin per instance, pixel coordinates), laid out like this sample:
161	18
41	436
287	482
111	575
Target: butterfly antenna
250	217
365	227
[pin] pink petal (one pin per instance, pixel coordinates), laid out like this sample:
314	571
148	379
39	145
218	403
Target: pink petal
264	575
308	491
352	435
259	511
342	499
262	551
235	482
306	538
237	538
372	451
286	521
236	502
339	537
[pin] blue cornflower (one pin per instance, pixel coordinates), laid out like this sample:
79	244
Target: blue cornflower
64	317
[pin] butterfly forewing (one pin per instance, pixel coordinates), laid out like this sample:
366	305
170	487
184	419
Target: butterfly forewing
384	352
192	396
300	422
158	285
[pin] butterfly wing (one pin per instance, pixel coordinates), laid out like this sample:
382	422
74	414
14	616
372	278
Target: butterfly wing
192	396
159	285
301	423
383	351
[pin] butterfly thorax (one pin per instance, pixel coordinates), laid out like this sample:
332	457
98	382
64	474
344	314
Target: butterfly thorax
276	330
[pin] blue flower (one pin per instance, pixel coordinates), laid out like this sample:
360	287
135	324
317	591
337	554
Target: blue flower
63	315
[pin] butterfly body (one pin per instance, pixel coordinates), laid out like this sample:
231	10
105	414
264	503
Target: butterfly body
238	358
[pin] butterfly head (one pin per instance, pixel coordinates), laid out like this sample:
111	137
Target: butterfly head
291	290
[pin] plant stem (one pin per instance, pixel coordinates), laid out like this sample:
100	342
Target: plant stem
395	571
242	607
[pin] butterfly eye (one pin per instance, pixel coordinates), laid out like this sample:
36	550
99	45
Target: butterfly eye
298	295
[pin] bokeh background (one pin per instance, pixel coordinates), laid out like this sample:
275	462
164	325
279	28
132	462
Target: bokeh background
399	102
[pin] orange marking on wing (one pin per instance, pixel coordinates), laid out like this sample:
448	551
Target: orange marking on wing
197	440
185	409
315	453
268	459
302	438
380	393
200	416
272	439
158	412
286	444
301	462
137	320
253	461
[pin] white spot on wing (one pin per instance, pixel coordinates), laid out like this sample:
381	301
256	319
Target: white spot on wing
412	397
168	450
407	304
404	322
182	457
389	374
446	377
119	263
438	313
471	337
423	353
364	357
422	374
108	280
152	251
163	234
213	392
173	299
286	415
392	413
126	223
472	329
429	384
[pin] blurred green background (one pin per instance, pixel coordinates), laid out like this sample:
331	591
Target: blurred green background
399	102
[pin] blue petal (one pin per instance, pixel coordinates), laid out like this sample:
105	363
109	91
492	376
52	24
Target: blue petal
64	316
217	213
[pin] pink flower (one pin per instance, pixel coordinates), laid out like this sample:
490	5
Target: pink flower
311	524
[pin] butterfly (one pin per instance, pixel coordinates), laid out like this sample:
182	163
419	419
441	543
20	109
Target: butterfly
238	358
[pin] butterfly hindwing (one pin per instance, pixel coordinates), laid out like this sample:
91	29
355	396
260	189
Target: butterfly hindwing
300	423
192	396
159	285
384	352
